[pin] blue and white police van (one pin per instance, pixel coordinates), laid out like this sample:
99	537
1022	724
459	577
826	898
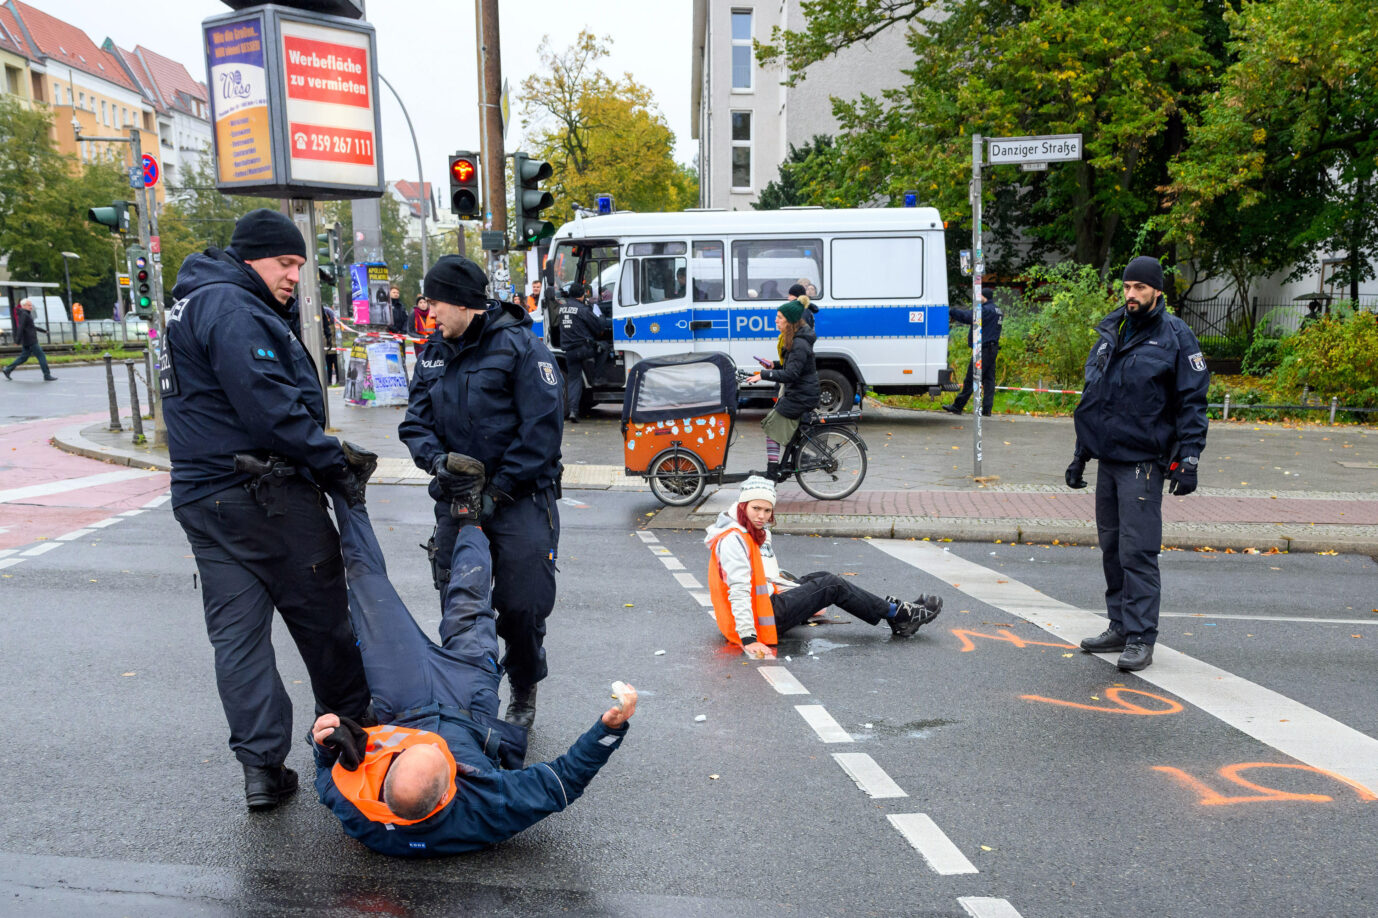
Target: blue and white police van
712	280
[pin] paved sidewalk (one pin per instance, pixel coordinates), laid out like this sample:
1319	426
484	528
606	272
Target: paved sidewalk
1264	487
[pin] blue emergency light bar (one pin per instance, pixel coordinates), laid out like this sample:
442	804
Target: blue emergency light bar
604	203
911	199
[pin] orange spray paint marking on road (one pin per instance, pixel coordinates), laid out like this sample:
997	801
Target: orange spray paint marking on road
1210	797
1009	637
1123	706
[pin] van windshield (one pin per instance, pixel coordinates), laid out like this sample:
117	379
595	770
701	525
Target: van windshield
593	264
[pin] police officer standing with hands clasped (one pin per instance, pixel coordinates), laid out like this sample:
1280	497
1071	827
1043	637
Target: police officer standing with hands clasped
582	333
1142	415
250	460
487	390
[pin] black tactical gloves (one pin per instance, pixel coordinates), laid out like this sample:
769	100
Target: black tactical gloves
1181	475
454	483
349	742
1076	473
494	499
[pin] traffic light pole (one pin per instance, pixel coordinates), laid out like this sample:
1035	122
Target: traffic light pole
303	214
493	157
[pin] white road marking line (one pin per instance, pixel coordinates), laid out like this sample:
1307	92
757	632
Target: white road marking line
103	523
8	551
868	776
1270	717
923	833
74	534
688	580
158	501
783	680
828	730
661	550
672	564
987	907
71	484
703	599
42	549
1203	617
132	512
647	537
10	562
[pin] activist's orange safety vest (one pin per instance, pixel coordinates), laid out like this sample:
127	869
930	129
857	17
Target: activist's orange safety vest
363	787
761	589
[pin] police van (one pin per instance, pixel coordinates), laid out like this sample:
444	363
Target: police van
712	280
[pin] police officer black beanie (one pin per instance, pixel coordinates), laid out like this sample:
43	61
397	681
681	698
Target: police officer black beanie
577	291
265	233
798	290
1146	270
456	280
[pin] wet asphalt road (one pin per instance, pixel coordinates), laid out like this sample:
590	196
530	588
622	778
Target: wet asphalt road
122	798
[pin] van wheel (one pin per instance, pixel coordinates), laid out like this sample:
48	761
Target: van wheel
836	392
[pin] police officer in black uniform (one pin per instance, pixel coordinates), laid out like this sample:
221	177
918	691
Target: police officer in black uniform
991	321
487	388
250	457
1143	416
582	336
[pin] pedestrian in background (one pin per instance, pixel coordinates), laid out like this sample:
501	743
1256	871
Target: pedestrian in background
397	318
250	464
1142	416
330	327
26	336
805	291
423	323
991	321
487	388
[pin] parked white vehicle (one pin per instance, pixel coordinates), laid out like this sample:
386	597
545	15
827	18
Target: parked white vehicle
711	281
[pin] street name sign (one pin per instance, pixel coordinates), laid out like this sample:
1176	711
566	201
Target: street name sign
1047	148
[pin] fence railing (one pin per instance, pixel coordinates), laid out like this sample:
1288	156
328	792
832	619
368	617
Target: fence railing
1226	316
96	332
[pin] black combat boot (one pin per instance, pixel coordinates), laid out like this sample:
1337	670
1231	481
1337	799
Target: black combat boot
265	788
1137	655
1108	641
521	710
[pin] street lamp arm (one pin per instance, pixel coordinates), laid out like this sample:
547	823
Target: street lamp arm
420	177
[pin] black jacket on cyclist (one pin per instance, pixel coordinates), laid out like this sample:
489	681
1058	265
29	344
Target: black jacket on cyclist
799	376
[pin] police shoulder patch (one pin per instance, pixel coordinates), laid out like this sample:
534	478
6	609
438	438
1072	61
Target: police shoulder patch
1198	362
265	353
547	372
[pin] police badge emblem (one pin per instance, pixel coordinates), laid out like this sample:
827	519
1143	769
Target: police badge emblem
547	372
1198	363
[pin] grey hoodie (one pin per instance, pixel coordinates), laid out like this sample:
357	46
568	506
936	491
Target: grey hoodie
736	568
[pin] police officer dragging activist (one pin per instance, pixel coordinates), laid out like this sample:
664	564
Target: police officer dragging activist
991	321
584	336
1142	415
250	457
487	389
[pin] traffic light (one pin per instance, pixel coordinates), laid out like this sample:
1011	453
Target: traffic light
327	253
116	216
140	280
464	196
531	200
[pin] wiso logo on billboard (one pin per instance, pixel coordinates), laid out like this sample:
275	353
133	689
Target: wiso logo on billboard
234	86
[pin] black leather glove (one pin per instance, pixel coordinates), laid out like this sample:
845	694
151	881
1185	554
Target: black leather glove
494	499
1182	475
347	481
1076	473
364	462
349	742
451	485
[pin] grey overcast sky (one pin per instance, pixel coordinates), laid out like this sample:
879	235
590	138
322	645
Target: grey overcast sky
426	50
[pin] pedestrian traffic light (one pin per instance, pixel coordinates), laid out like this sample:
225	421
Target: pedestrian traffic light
116	216
140	280
327	254
464	196
531	200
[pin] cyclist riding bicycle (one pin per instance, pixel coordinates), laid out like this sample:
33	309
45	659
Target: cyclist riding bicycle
797	373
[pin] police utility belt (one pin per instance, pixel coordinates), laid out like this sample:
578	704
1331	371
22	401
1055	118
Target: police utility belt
267	478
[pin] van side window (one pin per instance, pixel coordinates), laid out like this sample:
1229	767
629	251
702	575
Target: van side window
663	279
878	268
765	269
709	277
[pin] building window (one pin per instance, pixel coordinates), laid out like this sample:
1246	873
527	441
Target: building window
741	49
82	98
104	112
741	151
12	80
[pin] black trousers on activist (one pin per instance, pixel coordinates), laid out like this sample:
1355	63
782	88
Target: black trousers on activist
1129	520
250	564
989	351
818	591
524	539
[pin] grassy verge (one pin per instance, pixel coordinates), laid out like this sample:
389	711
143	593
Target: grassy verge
87	356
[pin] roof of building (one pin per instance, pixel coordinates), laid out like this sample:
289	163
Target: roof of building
52	38
174	84
409	196
11	39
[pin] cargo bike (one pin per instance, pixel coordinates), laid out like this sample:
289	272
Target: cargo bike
678	422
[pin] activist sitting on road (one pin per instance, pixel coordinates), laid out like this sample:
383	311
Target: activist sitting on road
797	374
430	781
755	601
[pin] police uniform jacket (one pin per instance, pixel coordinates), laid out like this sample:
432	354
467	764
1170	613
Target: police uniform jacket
581	329
236	379
991	321
1145	391
494	394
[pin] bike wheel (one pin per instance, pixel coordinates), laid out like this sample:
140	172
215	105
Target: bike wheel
831	464
677	477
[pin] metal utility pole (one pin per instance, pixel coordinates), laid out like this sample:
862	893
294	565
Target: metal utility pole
303	213
978	268
423	199
490	117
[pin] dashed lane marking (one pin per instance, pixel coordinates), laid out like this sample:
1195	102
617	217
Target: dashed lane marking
74	534
703	599
132	512
49	488
688	580
10	562
41	549
987	907
923	833
828	729
1270	717
103	523
648	537
158	501
5	553
868	776
671	562
782	680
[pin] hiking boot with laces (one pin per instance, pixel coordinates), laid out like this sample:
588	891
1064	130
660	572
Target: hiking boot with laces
911	616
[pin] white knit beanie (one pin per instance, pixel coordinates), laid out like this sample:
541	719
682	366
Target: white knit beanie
757	488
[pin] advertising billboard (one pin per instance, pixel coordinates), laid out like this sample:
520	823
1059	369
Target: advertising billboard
294	101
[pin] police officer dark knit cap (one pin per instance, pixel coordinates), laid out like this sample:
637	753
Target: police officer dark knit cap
1146	270
456	280
792	310
798	290
265	233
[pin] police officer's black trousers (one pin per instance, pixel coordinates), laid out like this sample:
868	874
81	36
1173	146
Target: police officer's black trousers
524	537
581	362
1129	519
818	591
989	351
249	564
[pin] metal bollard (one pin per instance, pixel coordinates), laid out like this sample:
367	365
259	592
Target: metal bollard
148	382
1225	414
1334	403
134	412
110	387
